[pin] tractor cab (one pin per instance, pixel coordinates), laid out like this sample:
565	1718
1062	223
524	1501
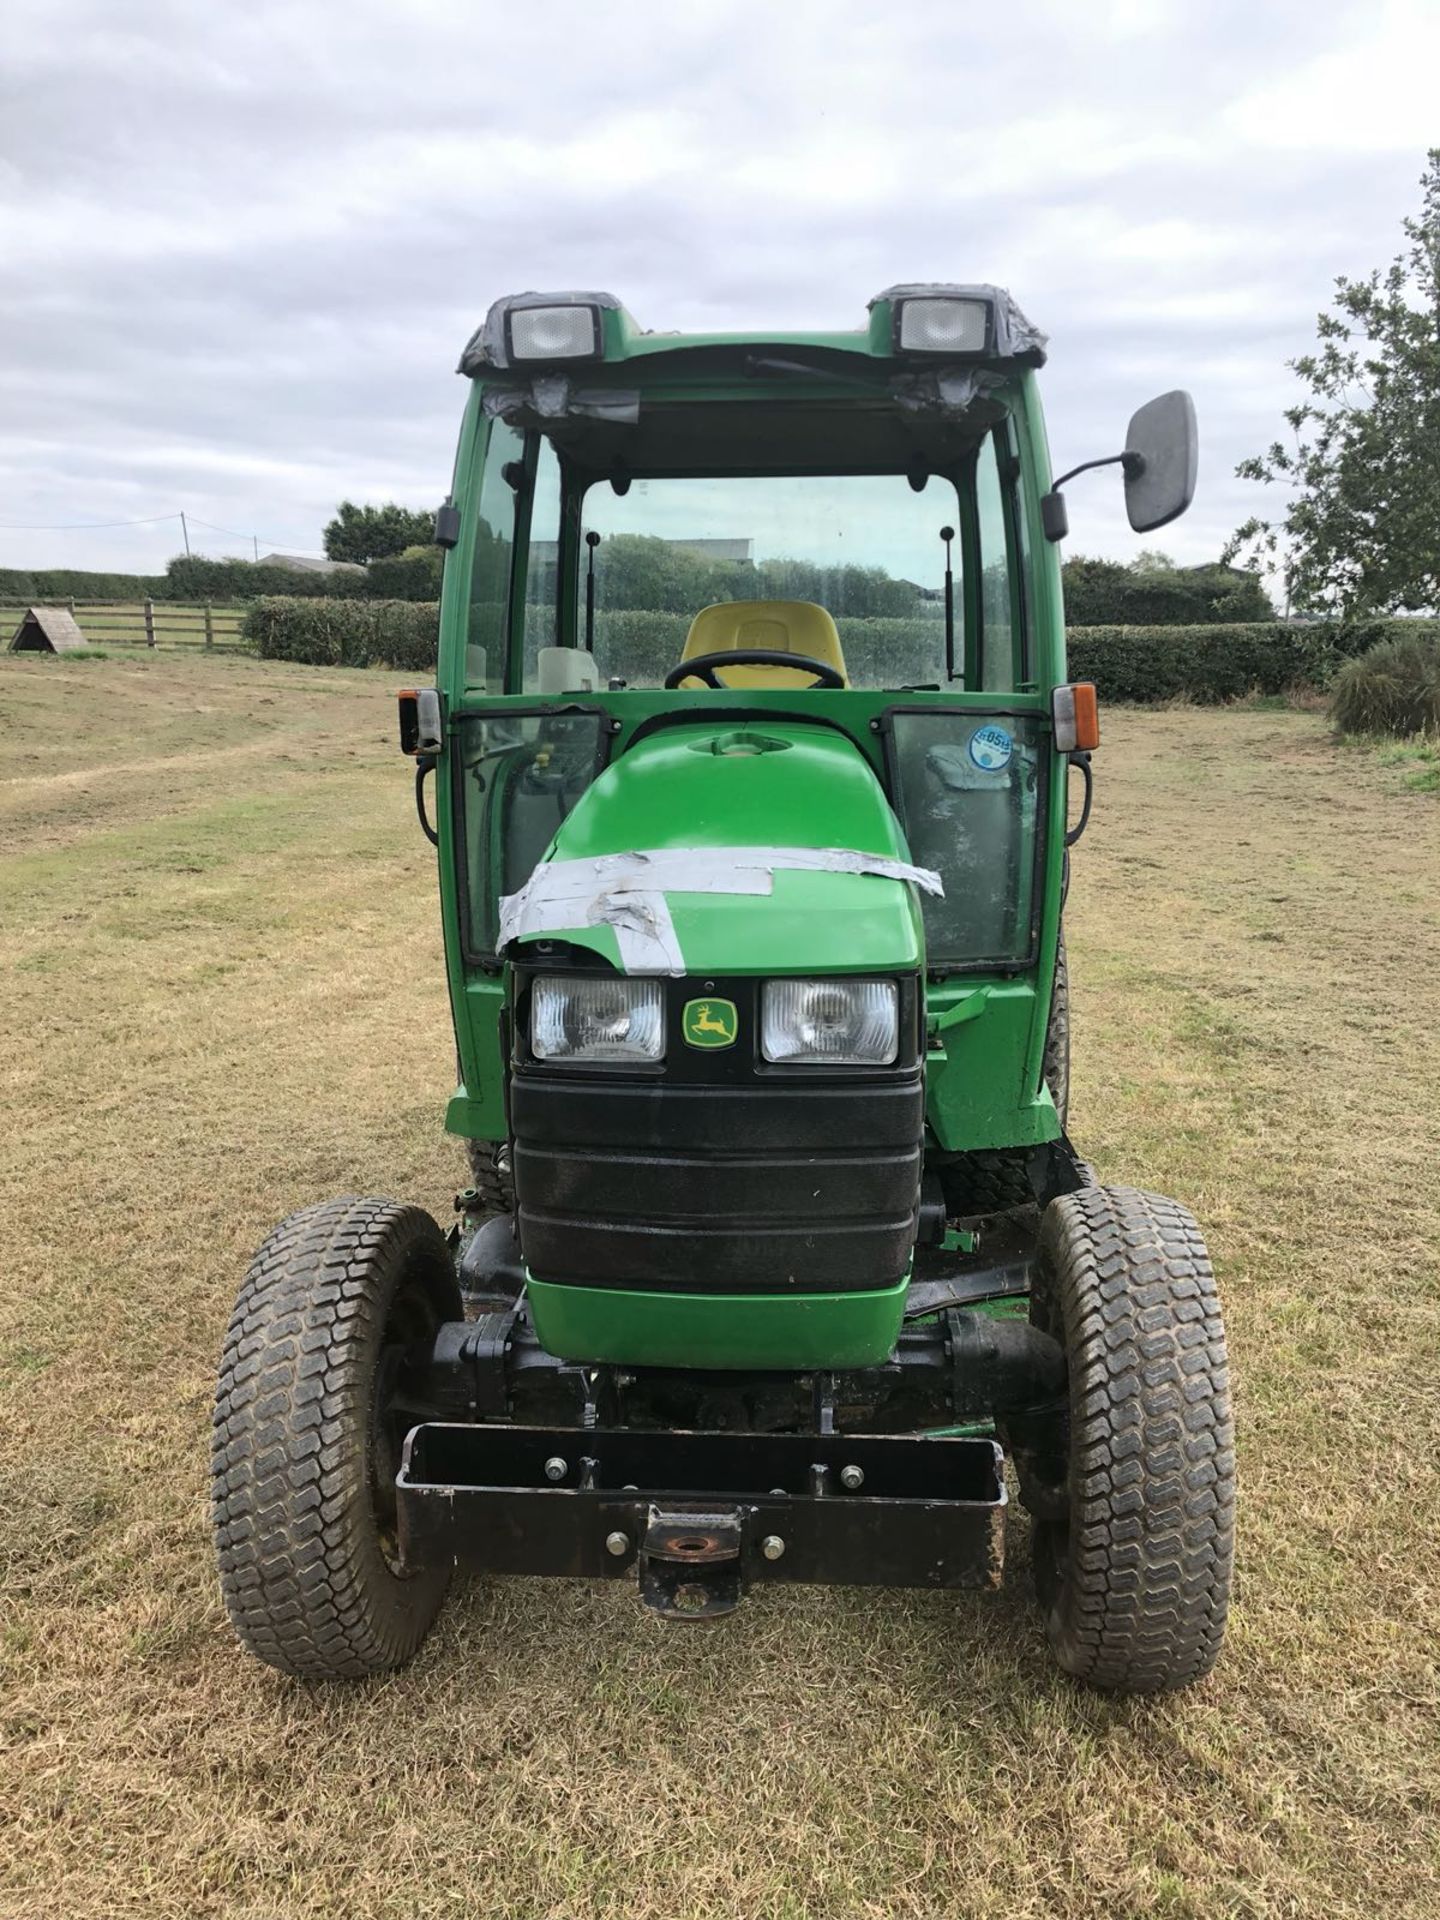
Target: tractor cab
752	675
748	765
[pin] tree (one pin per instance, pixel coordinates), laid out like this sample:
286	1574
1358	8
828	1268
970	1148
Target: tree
1103	593
1361	532
374	533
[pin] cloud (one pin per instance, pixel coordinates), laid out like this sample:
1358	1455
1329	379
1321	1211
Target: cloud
243	247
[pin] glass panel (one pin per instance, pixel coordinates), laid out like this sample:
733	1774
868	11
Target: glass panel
997	633
1021	534
520	776
542	570
490	568
968	793
866	547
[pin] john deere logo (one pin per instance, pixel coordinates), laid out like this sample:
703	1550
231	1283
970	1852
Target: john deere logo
710	1023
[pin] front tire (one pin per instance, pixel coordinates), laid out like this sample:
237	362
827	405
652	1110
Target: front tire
306	1440
490	1174
1135	1579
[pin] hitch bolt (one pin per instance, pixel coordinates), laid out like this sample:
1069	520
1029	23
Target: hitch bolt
617	1543
772	1546
852	1478
555	1468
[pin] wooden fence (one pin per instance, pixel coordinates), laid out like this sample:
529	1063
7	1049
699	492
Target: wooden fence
141	623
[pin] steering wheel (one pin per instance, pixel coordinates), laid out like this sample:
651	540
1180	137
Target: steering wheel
704	665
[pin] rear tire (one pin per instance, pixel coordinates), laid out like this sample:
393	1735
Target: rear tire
305	1444
1135	1580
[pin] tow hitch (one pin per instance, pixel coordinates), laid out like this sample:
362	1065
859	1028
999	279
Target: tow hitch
700	1516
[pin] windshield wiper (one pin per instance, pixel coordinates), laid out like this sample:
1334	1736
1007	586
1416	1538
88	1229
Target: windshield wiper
758	363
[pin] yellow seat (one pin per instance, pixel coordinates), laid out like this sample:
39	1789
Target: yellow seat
777	626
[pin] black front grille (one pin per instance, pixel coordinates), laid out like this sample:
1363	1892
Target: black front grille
775	1187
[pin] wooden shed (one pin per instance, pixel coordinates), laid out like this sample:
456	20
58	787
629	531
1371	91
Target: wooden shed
47	630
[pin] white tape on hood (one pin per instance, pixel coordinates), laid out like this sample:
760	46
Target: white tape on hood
627	891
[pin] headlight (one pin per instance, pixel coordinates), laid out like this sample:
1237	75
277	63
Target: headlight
944	326
604	1019
554	333
842	1023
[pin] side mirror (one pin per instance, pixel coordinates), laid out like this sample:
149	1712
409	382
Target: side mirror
1162	452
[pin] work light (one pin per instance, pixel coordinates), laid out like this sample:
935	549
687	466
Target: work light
596	1019
554	333
944	326
842	1023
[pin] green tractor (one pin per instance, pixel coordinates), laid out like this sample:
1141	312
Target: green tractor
751	748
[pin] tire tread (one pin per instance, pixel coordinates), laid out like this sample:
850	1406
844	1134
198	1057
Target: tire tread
1144	1590
301	1570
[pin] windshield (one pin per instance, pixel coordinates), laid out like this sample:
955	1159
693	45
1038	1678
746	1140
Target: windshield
858	560
866	547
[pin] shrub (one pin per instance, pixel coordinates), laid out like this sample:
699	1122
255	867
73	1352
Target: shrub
1102	593
1393	688
412	575
346	633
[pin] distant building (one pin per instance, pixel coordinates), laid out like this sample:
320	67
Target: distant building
717	549
305	563
543	552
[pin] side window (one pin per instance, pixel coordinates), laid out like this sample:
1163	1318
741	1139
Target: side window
542	570
997	585
520	774
490	568
968	787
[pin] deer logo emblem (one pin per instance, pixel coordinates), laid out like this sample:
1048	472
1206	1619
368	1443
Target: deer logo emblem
710	1023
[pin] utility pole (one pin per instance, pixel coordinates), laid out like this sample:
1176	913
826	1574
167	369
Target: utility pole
186	531
255	542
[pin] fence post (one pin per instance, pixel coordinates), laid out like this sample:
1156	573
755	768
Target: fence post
209	626
149	623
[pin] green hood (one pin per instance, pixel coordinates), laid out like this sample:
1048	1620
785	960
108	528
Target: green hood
790	787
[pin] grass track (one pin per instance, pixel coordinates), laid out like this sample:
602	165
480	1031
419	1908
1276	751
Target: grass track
224	999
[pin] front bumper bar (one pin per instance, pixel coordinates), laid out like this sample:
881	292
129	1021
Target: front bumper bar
699	1516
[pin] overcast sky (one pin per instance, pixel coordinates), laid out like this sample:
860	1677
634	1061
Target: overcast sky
241	247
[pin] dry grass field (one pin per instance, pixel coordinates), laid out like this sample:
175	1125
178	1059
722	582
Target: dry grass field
223	999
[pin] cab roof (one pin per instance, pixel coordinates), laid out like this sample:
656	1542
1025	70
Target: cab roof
973	325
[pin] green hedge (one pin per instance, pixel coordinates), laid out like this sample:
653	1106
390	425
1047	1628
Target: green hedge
64	583
346	633
1204	663
192	577
1146	664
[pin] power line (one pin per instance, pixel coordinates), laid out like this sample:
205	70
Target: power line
155	520
270	539
84	526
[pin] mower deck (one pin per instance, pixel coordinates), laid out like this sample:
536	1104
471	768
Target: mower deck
701	1515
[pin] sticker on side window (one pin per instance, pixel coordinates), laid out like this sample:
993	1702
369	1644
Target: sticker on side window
991	748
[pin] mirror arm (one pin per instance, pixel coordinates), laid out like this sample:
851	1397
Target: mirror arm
1133	463
1054	519
423	765
1080	758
